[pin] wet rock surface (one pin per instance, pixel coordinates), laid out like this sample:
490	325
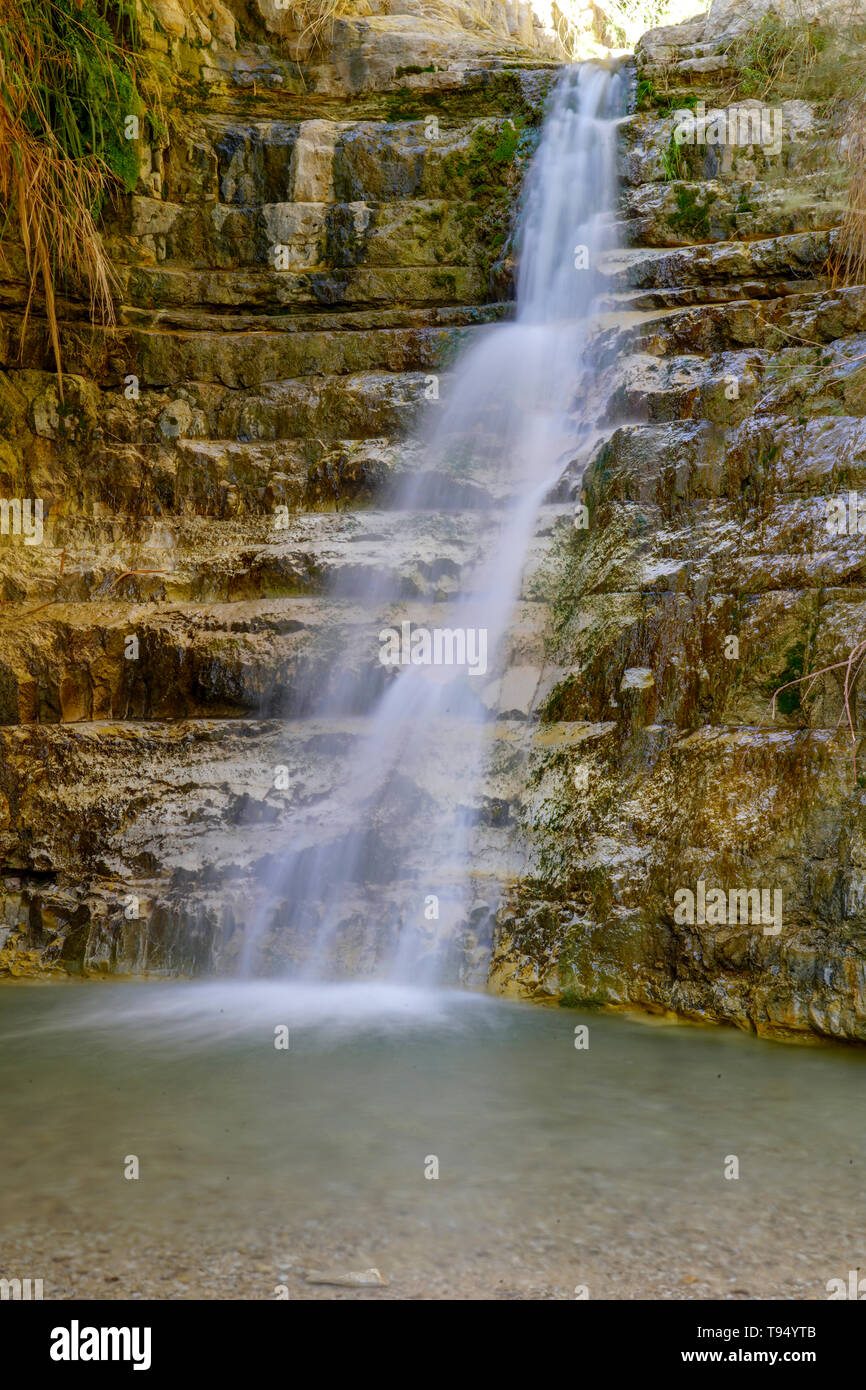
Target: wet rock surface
298	271
714	572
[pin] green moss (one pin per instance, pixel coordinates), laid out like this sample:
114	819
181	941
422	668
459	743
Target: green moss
445	280
671	105
492	167
492	150
406	105
451	351
586	1003
788	701
692	215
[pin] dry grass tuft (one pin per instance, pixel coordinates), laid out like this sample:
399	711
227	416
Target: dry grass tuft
773	53
315	19
848	264
69	77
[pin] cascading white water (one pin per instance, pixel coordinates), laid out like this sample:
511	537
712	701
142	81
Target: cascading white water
507	425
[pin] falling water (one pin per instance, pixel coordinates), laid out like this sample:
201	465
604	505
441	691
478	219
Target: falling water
383	852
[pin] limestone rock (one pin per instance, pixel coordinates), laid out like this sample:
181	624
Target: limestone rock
314	162
171	16
202	20
219	19
727	18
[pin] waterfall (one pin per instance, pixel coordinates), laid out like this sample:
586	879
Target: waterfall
385	869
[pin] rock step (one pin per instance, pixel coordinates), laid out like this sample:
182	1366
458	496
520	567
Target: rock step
377	405
741	782
187	819
155	463
771	457
703	606
804	380
811	315
298	237
786	256
680	213
779	366
644	301
145	805
780	143
140	783
807	319
316	321
211	782
82	662
793	552
254	162
760	544
73	663
252	318
148	481
319	238
159	473
260	85
226	478
681	75
324	407
162	357
331	288
396	555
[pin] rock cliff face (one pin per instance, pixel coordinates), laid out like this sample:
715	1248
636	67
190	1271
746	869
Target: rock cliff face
298	269
302	260
718	566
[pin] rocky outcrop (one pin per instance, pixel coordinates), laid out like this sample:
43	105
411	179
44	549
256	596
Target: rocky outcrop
298	269
309	246
723	561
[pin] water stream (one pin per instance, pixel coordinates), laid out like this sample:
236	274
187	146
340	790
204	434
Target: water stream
507	425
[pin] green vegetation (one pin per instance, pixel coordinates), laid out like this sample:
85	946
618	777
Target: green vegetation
491	153
774	54
672	161
587	1003
788	701
662	103
692	215
492	169
406	105
71	75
